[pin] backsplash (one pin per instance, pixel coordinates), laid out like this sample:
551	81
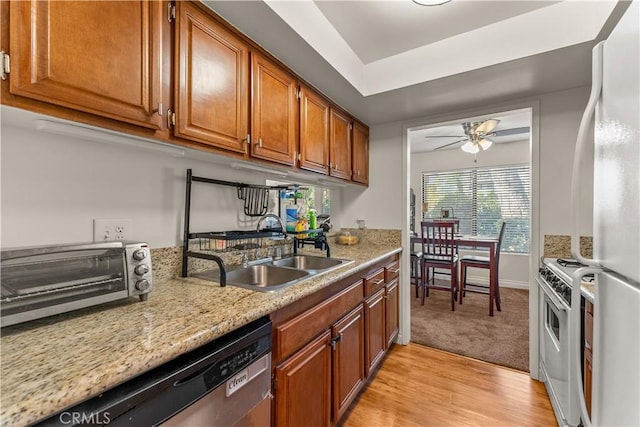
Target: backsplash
559	246
167	262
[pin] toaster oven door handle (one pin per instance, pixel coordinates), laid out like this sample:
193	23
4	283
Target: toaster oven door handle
28	252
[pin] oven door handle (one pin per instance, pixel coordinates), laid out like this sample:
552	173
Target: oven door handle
575	341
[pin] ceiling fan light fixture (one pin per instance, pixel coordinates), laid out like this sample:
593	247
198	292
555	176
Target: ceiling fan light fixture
430	2
470	148
485	143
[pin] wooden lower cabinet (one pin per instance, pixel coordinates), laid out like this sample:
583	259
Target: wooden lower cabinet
375	329
392	314
327	344
588	354
348	360
315	386
303	386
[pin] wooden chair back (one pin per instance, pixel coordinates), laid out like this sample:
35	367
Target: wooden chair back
438	240
499	245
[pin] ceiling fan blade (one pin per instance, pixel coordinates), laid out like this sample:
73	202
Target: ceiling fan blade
445	136
513	131
449	144
487	126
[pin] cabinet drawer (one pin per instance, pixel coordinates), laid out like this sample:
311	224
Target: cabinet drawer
391	271
374	281
300	330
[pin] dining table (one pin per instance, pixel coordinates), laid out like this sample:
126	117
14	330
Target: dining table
470	241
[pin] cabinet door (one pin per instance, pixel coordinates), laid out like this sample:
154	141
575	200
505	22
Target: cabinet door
348	360
340	145
391	312
274	112
314	132
588	354
102	58
211	81
360	154
375	332
303	386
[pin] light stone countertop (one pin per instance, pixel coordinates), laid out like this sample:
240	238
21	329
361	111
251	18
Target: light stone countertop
588	291
52	364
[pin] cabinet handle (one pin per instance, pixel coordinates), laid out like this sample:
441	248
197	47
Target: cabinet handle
335	340
377	282
397	270
248	139
259	143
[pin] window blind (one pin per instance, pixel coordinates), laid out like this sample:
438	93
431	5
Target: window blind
481	198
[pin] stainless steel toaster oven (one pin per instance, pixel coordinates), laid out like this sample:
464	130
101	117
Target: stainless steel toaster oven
42	281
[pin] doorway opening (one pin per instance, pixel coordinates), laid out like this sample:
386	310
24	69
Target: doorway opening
476	170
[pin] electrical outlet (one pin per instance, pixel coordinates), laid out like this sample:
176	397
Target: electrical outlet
111	229
362	223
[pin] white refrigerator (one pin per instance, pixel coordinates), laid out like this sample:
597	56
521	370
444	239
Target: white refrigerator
615	101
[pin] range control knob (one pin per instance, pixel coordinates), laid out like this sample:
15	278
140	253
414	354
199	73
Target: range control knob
140	254
143	285
141	270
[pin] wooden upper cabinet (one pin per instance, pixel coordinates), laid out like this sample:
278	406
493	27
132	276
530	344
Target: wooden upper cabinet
314	131
274	112
211	81
360	154
102	58
340	144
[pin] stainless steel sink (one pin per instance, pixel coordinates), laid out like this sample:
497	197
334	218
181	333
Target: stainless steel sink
265	277
269	276
310	263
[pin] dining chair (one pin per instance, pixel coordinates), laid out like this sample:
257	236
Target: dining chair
415	279
473	261
439	251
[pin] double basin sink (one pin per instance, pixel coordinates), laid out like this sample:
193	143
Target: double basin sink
273	275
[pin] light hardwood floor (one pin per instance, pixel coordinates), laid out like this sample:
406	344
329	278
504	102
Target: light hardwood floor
421	386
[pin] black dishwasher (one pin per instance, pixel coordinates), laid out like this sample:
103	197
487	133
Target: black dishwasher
226	382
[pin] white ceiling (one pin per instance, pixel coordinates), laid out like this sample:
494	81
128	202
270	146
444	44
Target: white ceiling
386	28
483	53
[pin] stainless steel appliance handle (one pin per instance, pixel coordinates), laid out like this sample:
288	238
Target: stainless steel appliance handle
581	143
575	343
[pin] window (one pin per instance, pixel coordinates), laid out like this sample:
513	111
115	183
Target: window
481	199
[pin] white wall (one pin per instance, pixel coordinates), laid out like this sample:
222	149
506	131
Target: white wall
54	186
381	203
560	114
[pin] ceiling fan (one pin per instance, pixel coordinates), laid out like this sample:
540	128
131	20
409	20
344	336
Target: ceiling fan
477	133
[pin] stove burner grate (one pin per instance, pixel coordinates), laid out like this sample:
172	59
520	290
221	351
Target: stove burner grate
569	263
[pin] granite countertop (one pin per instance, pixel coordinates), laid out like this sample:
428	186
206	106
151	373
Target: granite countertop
52	364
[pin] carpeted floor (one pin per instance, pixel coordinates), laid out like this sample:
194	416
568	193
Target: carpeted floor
502	339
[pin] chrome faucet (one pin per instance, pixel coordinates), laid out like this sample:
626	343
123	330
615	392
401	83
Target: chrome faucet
274	216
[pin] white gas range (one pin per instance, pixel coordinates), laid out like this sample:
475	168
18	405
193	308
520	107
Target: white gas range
555	281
